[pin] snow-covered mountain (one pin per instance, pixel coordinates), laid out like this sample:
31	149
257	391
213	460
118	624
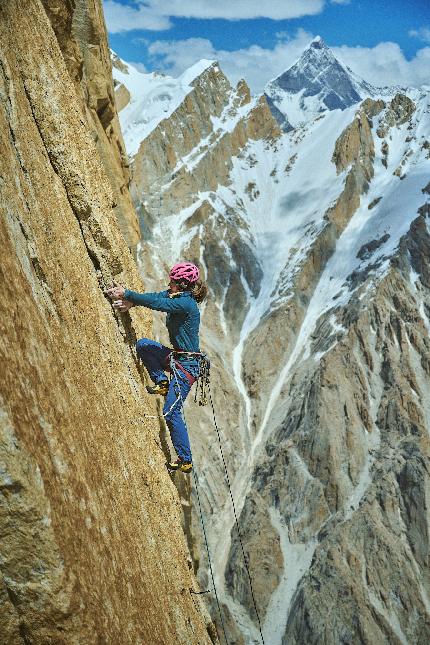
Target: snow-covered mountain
151	97
314	243
317	82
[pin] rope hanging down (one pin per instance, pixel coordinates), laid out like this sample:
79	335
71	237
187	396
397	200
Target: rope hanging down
203	386
179	397
209	558
236	520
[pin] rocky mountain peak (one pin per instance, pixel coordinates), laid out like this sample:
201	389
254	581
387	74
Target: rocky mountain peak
200	69
316	82
146	99
318	43
317	69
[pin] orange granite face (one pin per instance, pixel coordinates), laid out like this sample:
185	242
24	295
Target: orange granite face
92	545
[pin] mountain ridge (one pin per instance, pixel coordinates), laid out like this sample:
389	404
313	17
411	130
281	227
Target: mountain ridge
154	95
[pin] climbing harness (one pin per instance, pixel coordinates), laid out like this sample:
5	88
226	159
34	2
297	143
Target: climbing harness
202	392
202	378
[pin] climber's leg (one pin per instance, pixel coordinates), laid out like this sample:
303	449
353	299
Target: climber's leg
154	357
174	418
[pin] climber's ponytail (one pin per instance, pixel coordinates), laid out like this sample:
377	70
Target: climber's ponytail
199	290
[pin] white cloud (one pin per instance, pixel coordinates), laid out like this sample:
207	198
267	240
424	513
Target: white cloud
140	67
423	33
175	56
120	18
282	35
237	9
384	64
155	14
255	64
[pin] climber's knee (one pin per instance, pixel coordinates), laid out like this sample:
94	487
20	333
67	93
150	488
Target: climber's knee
142	345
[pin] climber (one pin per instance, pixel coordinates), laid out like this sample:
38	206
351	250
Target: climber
182	321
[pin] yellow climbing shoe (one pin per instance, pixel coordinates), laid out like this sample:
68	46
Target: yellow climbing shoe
159	388
183	466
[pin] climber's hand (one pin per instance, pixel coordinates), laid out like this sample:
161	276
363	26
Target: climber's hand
116	292
122	305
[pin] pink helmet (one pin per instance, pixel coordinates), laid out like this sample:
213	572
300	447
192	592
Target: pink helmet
184	271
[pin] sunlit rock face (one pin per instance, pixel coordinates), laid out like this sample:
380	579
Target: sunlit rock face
81	35
92	549
313	240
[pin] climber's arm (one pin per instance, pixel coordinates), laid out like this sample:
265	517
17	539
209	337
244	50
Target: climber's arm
158	301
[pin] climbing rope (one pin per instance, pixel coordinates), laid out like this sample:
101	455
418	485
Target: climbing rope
236	518
209	558
204	378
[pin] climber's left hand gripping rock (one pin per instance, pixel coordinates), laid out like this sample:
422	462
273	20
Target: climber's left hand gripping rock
116	292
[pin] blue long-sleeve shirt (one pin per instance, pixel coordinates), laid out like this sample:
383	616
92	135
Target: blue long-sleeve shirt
182	321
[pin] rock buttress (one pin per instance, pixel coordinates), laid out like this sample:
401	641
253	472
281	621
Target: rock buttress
91	545
81	34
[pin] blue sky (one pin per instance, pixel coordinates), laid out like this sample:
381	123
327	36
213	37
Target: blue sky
385	41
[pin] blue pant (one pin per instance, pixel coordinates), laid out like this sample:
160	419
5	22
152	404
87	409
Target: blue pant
154	357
